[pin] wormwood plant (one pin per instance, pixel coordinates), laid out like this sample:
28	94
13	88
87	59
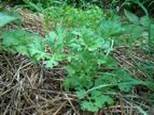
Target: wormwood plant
72	17
91	72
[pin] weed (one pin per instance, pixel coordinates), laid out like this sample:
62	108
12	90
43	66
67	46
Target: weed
91	72
142	25
84	40
73	17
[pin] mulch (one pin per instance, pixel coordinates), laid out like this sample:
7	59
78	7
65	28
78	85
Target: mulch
27	88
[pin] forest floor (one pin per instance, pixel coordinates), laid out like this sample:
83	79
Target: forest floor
30	89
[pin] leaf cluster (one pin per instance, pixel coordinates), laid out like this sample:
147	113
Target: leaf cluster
141	28
73	17
86	46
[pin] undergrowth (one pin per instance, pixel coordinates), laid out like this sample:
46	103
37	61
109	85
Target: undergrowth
70	17
84	39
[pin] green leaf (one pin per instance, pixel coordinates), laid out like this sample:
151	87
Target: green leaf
96	101
37	48
134	32
56	40
86	105
81	94
5	19
111	28
22	50
149	84
51	38
125	81
51	63
145	21
109	62
132	17
25	43
16	38
103	100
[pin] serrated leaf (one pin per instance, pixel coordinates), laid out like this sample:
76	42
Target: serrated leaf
109	62
126	82
50	63
22	50
81	94
86	105
102	100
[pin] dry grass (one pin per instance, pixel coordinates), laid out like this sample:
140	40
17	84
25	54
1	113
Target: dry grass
27	89
30	89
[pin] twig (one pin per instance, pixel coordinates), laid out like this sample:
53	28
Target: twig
59	108
77	113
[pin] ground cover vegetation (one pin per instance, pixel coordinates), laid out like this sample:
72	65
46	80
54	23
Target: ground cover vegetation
105	48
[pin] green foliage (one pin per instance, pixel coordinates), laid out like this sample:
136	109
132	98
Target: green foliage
131	17
111	27
86	70
141	25
99	95
84	40
5	19
86	3
96	101
25	43
117	5
88	62
73	17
